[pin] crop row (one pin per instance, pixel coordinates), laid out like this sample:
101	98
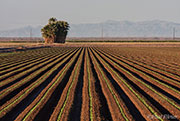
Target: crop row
144	84
91	84
18	60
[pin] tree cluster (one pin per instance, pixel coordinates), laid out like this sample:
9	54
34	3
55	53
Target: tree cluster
55	29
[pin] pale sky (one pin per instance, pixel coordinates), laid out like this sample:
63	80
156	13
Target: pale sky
20	13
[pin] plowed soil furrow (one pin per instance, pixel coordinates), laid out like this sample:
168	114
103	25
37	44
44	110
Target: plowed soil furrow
174	73
17	61
13	78
157	71
115	104
35	92
30	58
158	105
151	68
10	70
155	78
85	109
78	82
16	68
158	64
22	68
9	56
157	68
99	101
14	91
34	62
130	105
62	110
45	113
33	109
150	65
26	53
75	111
170	66
28	98
176	65
159	87
138	91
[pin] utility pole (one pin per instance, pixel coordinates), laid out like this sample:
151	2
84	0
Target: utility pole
102	31
30	34
174	33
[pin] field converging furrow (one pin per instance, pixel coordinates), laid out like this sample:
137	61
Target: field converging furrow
65	103
23	83
32	110
29	62
20	57
121	94
153	82
162	109
166	74
36	87
157	79
15	77
90	84
129	90
148	66
27	67
95	108
153	65
32	57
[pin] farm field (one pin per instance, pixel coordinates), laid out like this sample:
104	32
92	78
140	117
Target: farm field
90	83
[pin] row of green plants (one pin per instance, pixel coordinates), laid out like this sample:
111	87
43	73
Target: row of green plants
54	83
23	66
8	62
24	57
16	57
110	89
149	66
169	66
153	78
77	66
149	87
129	87
172	65
32	60
162	82
29	89
29	70
89	86
25	80
154	70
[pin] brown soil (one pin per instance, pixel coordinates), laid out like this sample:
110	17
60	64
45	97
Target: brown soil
108	64
85	116
63	98
157	98
159	78
21	116
114	110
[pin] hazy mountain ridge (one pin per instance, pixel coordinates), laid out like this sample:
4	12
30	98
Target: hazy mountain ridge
110	28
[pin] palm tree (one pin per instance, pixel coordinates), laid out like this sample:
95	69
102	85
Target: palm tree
55	31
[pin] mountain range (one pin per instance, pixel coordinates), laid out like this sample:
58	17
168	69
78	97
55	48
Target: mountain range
110	28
